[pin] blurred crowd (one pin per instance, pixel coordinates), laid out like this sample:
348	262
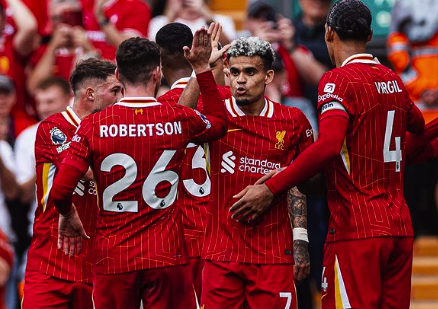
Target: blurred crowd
41	40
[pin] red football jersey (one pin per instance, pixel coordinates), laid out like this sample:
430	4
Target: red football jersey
253	146
365	182
195	187
135	149
125	15
13	64
52	140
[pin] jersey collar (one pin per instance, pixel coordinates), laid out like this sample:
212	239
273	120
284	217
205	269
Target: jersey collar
71	116
235	111
360	58
136	102
180	83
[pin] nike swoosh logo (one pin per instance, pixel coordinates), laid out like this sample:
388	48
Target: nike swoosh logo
232	130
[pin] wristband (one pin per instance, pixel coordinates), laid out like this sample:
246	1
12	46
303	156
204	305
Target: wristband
300	233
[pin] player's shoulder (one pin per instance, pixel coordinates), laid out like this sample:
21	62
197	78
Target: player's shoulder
56	127
282	111
170	97
335	74
55	119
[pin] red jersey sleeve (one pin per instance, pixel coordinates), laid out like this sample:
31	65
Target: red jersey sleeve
79	153
306	134
51	143
214	123
332	132
335	95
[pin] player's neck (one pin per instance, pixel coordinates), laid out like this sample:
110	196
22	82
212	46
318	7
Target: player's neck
173	75
347	50
254	108
140	91
79	110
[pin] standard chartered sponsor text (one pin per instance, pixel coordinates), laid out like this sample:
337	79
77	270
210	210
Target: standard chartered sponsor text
259	166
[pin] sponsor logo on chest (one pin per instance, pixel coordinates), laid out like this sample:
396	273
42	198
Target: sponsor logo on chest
230	163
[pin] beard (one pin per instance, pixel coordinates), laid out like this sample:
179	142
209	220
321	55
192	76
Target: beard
243	102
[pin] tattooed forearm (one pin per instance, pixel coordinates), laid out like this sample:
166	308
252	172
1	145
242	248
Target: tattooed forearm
297	206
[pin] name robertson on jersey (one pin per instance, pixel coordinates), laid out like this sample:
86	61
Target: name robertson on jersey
141	129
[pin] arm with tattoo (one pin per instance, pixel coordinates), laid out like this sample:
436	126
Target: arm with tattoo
297	206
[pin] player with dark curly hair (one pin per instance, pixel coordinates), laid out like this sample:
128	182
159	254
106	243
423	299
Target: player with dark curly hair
364	114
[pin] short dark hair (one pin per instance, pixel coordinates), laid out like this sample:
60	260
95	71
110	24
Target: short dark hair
171	39
251	47
351	20
136	59
54	81
89	69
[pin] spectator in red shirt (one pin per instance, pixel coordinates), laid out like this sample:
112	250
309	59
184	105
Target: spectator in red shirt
18	28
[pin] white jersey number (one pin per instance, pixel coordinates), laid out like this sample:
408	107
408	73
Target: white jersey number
288	296
199	160
157	175
391	155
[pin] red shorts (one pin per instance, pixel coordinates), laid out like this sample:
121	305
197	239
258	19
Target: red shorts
197	265
235	285
158	288
44	291
372	273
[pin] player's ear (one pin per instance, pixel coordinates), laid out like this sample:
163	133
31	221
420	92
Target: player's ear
226	69
329	33
116	73
89	93
269	76
370	36
157	73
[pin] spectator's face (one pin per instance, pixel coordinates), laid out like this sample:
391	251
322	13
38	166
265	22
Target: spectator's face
50	101
107	93
248	78
7	100
58	11
315	10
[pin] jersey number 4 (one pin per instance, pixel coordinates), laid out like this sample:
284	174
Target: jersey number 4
391	155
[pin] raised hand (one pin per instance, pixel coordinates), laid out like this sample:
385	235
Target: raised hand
199	54
217	53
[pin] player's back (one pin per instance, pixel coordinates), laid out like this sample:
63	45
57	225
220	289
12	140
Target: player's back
365	183
137	147
194	194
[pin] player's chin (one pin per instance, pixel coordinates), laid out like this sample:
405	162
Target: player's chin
242	101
